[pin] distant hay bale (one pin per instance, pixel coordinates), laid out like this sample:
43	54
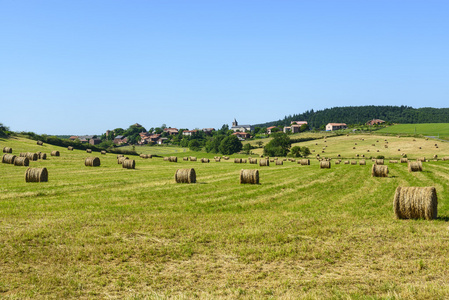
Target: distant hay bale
185	176
249	176
393	161
337	162
31	156
89	150
435	156
166	158
399	149
421	159
415	203
129	164
313	150
362	162
367	150
353	162
379	171
280	162
7	150
414	166
386	146
8	158
243	160
338	155
346	162
70	148
21	161
363	155
218	159
185	158
40	143
54	153
36	175
253	161
353	148
355	144
103	152
419	148
436	145
264	163
414	140
42	156
284	159
357	155
325	164
225	158
192	158
121	159
205	160
237	160
379	161
173	159
305	162
120	155
404	160
92	162
271	160
445	158
374	145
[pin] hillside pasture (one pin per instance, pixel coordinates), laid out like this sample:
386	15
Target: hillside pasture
303	232
440	130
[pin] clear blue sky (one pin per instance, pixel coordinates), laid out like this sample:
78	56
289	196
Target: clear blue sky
82	67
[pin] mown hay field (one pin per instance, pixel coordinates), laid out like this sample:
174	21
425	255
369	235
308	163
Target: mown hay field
303	232
427	129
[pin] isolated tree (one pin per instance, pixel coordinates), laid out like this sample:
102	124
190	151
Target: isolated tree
230	144
296	151
278	146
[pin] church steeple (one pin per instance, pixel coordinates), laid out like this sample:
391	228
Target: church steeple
235	124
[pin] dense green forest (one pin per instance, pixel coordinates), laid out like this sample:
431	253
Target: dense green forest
362	114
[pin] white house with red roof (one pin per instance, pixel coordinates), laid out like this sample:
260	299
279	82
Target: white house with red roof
336	126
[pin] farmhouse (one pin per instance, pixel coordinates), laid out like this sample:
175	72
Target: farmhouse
120	140
171	131
269	129
336	126
375	122
189	132
94	141
242	135
294	128
241	128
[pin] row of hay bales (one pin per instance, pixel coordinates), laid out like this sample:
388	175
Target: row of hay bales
126	162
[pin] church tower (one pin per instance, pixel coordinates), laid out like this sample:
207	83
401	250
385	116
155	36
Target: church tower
235	124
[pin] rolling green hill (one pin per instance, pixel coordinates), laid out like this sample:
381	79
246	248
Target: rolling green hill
303	232
440	130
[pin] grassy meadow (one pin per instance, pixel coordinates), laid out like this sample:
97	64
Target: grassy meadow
440	130
303	232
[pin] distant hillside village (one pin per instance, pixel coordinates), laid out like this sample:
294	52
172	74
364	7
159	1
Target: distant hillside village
137	134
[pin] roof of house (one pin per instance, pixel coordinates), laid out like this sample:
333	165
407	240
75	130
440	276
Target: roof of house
271	127
240	126
170	129
298	122
337	124
119	137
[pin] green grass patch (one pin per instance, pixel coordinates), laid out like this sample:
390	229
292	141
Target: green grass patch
440	130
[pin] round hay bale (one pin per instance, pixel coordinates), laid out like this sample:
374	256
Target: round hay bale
357	155
379	161
414	166
419	148
379	171
305	162
31	156
337	162
121	159
243	160
192	158
284	159
253	161
386	146
225	157
362	162
185	158
353	162
374	145
353	148
173	159
346	162
415	203
21	161
8	158
89	150
445	158
280	162
54	153
404	160
129	164
367	150
313	150
42	156
237	160
325	164
205	160
421	159
120	155
399	149
436	145
264	163
355	144
166	158
103	152
435	156
249	176
393	161
92	162
218	159
70	148
185	176
363	155
7	150
272	160
36	175
40	143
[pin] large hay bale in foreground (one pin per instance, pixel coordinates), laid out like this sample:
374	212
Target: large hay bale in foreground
379	161
36	175
40	143
54	153
415	203
264	163
70	148
325	164
92	162
7	150
173	159
249	176
129	164
415	166
185	176
8	158
304	162
89	150
404	160
379	171
21	161
121	159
